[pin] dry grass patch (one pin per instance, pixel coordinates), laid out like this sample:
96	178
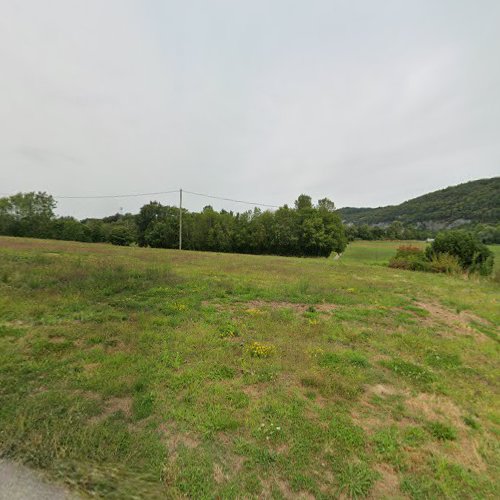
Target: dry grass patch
297	307
288	493
256	306
434	407
388	484
57	340
369	420
91	367
464	450
383	390
219	476
458	322
112	406
174	439
368	415
254	391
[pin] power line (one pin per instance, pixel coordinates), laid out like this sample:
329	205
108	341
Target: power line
231	199
115	195
94	197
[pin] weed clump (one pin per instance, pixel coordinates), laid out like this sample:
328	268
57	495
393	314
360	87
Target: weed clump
261	350
441	431
270	431
352	358
315	352
471	422
253	311
228	330
177	306
414	436
415	373
356	480
443	360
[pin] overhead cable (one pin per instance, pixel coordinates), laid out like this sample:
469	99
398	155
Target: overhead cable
231	199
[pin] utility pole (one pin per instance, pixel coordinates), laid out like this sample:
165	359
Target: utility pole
180	219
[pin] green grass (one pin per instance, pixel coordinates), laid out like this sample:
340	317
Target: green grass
128	372
375	252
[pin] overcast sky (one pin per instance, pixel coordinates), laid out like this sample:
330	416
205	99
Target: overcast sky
366	102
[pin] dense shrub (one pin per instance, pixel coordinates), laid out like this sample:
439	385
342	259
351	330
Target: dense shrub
445	263
121	235
472	255
451	252
68	228
410	258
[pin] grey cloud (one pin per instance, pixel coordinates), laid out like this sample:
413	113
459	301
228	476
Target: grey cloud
369	103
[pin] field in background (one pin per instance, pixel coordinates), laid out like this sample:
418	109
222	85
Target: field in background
375	252
496	252
154	373
379	252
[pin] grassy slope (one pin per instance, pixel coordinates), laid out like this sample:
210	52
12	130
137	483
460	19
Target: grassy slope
120	374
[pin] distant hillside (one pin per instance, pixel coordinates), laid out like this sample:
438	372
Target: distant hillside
471	202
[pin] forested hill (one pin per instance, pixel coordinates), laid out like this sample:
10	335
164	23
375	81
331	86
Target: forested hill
471	202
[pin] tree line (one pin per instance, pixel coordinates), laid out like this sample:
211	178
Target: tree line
306	229
394	231
485	233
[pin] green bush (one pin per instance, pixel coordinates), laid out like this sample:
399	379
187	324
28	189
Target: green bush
445	263
452	252
410	258
472	255
121	236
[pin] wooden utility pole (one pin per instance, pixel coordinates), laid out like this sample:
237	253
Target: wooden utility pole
180	219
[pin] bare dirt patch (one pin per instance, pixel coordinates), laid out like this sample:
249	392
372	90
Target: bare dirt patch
184	440
174	439
57	340
215	305
272	304
388	484
383	390
254	391
287	492
284	489
297	307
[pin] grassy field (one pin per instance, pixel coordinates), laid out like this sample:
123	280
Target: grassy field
379	252
142	373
